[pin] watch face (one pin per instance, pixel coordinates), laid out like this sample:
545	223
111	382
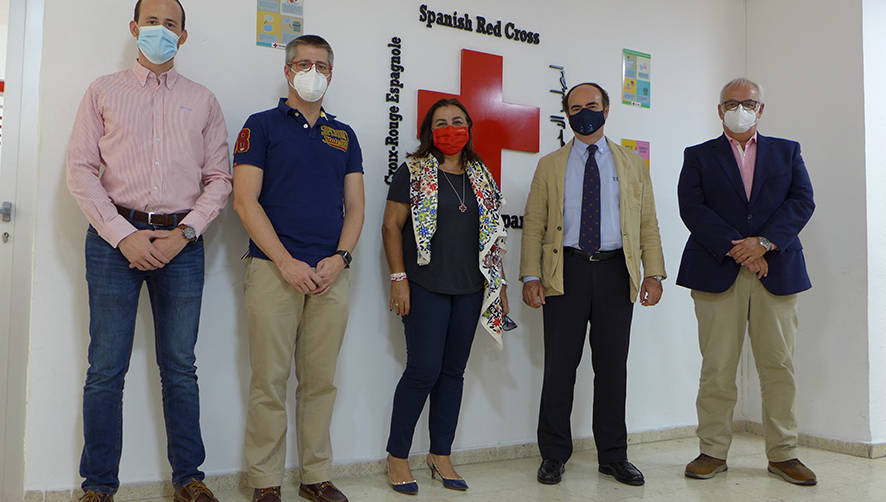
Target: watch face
188	232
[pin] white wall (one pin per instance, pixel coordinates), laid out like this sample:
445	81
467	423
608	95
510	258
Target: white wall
875	131
692	57
807	54
4	31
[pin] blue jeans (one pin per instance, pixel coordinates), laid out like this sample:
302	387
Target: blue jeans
439	333
176	291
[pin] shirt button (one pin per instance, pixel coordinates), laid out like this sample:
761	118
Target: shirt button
559	228
305	126
157	139
750	216
155	188
156	162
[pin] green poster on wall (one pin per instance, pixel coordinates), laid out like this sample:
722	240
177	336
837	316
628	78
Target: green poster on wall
637	84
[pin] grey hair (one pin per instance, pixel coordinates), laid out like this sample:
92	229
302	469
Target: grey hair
741	81
309	40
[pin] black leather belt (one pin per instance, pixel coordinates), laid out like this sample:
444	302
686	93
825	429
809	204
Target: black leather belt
598	256
156	219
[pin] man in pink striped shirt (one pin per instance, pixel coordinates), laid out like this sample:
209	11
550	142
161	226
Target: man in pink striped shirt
148	164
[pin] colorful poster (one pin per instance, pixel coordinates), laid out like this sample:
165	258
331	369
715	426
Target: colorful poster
641	147
636	71
279	22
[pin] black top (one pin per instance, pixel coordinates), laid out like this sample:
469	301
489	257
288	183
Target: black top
454	268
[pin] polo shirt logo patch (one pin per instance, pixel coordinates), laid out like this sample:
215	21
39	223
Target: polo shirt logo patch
242	145
336	138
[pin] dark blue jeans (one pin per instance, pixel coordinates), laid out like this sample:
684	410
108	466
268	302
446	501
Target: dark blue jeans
439	333
176	291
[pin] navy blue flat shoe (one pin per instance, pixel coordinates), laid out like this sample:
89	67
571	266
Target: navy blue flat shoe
451	483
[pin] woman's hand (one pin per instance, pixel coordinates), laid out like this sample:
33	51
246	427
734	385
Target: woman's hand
399	297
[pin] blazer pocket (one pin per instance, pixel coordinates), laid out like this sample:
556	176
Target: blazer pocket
550	261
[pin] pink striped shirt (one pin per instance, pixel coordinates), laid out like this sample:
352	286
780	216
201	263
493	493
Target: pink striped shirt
152	144
746	160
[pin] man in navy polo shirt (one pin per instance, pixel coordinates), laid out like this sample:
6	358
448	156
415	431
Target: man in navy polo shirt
298	188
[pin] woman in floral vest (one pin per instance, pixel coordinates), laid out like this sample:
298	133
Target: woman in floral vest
444	239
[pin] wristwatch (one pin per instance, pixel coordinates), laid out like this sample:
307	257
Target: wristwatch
188	231
766	243
345	255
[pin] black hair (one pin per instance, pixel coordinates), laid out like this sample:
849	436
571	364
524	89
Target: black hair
426	135
602	91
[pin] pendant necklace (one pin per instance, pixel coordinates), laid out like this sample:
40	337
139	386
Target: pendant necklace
462	207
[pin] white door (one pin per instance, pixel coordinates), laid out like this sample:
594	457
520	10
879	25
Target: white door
20	59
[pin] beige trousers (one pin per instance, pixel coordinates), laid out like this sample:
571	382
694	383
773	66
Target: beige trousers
284	322
771	323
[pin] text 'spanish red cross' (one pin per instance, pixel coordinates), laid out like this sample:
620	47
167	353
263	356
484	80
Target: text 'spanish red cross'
497	125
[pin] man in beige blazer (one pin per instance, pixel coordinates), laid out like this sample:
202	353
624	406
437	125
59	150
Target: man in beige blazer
589	224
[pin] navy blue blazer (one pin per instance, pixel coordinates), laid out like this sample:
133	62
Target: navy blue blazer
716	210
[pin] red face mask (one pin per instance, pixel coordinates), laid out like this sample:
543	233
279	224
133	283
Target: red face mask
450	139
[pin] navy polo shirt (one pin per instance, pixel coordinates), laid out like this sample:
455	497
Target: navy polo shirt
303	179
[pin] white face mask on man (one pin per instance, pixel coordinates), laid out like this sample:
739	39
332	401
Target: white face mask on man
310	84
740	119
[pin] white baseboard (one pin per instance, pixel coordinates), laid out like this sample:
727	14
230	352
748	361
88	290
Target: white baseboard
237	480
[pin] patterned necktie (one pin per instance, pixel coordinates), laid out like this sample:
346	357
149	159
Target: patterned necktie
589	234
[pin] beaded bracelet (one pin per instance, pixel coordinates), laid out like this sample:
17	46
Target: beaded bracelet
399	276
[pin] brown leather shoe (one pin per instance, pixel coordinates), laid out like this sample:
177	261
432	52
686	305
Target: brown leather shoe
793	471
704	467
91	496
194	491
322	492
271	494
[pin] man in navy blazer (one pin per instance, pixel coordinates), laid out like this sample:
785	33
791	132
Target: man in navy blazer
745	198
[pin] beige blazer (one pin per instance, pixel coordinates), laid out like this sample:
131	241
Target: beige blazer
542	250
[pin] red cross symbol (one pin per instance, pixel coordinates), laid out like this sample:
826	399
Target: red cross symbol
497	125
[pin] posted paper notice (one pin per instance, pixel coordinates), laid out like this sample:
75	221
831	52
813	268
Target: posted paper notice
636	78
279	22
641	147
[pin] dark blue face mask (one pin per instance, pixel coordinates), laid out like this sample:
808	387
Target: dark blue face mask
587	121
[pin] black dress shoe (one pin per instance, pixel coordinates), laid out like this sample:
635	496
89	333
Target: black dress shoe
624	472
551	471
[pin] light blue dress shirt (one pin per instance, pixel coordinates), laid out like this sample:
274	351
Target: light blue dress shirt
610	224
610	196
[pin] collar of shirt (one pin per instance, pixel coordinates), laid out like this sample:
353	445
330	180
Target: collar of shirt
141	75
579	147
285	109
737	144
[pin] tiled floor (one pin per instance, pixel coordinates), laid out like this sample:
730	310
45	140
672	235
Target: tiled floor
841	478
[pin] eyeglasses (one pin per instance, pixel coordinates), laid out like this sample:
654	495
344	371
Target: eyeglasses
306	64
750	104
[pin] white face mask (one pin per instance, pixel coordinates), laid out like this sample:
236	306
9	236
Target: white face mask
311	85
739	119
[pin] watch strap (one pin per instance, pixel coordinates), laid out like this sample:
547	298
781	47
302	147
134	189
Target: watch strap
345	255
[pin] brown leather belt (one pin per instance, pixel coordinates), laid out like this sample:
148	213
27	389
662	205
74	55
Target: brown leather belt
155	219
598	256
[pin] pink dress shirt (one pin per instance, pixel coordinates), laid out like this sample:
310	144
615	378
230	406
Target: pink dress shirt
746	160
151	144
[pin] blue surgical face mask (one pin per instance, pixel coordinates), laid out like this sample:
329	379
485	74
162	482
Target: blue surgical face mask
587	121
157	43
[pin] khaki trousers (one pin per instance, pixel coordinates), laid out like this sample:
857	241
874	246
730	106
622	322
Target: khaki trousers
771	323
284	322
